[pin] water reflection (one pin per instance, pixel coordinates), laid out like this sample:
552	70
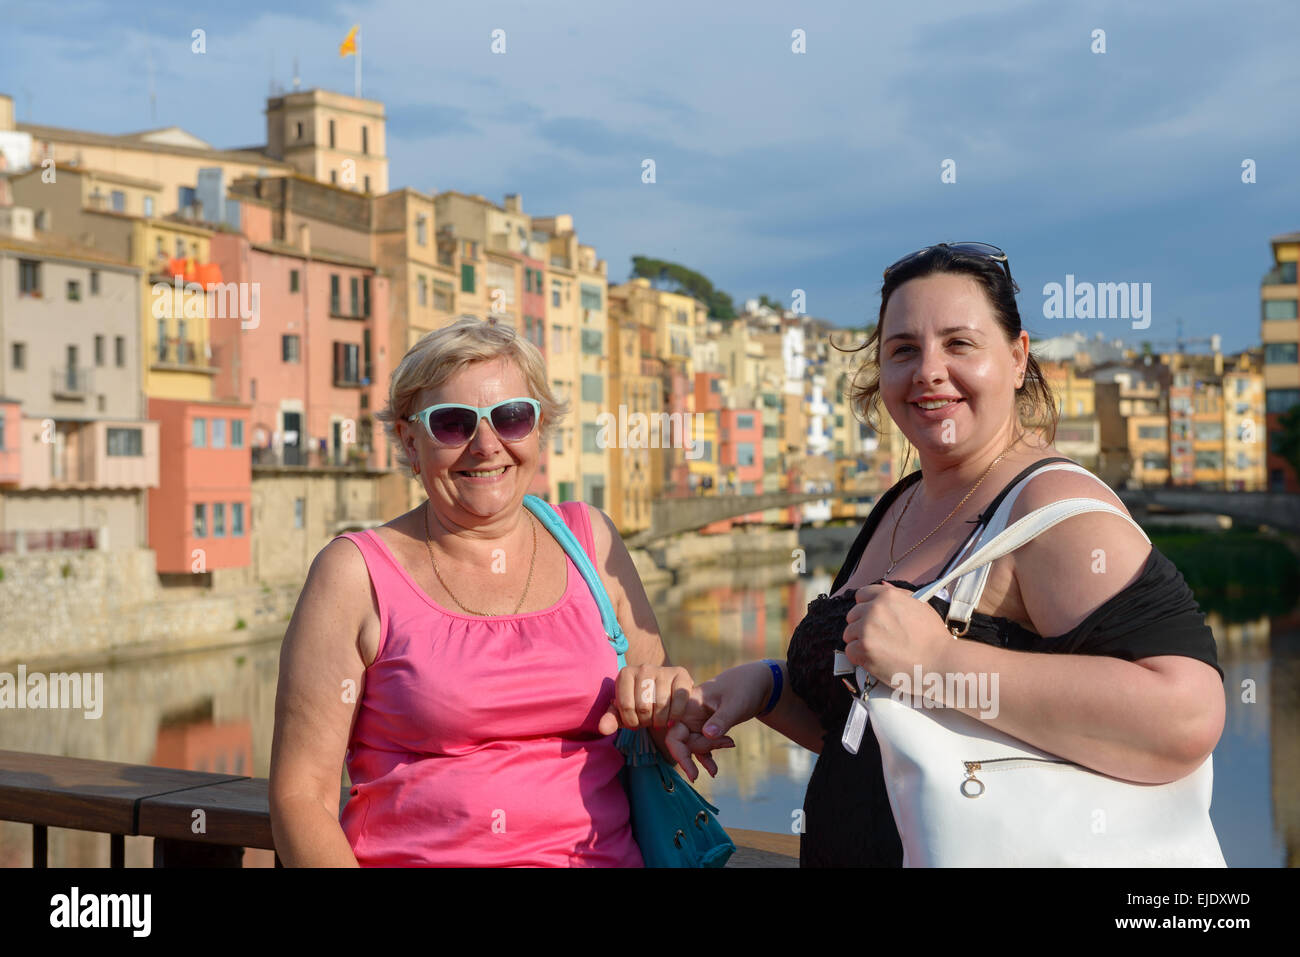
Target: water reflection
214	711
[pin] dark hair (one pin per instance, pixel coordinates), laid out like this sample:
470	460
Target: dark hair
1035	404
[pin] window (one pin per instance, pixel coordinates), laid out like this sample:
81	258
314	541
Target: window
334	294
334	176
354	287
200	433
125	442
331	134
528	279
590	431
1209	431
94	282
118	199
1241	387
218	434
158	248
593	342
1209	460
219	520
365	296
1281	400
289	349
1279	353
747	421
558	446
555	293
236	433
148	207
99	350
346	364
365	139
367	184
18	356
715	385
422	229
2	433
200	521
466	277
442	295
252	388
180	248
119	351
237	519
74	291
365	357
299	507
297	130
1279	308
1153	461
593	388
293	280
745	453
29	277
591	296
1152	432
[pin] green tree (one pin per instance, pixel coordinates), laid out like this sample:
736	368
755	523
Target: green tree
674	277
763	300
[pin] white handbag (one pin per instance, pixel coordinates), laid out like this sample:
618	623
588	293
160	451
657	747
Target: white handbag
965	794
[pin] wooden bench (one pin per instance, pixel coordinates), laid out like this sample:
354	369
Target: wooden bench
46	791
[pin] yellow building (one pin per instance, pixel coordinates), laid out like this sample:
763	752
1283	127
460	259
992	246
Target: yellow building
1279	294
331	137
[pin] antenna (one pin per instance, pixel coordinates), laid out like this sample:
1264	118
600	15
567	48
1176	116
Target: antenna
297	80
270	86
153	93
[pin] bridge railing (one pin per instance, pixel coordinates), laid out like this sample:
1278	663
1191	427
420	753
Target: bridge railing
46	790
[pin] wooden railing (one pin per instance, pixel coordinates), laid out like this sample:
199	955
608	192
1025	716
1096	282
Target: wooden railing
46	790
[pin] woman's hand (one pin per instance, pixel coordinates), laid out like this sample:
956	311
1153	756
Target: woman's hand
889	633
664	700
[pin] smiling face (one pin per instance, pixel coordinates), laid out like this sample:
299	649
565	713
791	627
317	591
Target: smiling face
459	496
941	341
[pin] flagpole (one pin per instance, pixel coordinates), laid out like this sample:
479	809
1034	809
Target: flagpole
358	78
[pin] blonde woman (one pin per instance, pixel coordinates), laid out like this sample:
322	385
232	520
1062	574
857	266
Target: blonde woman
486	691
1109	665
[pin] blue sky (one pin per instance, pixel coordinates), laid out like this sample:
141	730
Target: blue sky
775	170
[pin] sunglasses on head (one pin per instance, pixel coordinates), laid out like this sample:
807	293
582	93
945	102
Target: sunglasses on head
978	250
452	424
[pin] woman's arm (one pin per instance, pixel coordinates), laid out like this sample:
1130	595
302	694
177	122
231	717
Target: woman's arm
1153	720
321	682
740	693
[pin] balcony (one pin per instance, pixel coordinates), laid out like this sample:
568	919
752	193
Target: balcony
181	355
70	383
99	454
25	541
353	458
1283	274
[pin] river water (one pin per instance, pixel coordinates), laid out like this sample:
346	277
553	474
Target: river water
214	711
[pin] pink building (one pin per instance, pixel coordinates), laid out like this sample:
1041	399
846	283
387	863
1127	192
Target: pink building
200	517
313	367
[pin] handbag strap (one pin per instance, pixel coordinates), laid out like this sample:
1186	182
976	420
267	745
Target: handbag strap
548	516
1026	529
970	587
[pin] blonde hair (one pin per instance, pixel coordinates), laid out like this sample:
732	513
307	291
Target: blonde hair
441	354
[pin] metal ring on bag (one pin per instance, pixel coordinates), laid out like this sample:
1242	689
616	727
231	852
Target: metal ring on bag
677	838
701	819
964	628
668	783
972	780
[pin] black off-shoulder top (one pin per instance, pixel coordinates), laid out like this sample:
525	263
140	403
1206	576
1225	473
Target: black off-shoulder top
847	818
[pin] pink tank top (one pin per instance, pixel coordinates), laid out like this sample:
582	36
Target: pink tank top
476	744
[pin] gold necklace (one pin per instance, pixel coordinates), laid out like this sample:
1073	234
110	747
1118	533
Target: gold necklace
481	614
895	561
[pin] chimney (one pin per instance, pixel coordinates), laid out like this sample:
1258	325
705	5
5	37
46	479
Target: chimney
304	237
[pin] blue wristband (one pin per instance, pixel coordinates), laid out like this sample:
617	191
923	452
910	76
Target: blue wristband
778	685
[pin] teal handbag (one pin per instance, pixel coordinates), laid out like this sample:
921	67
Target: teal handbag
672	824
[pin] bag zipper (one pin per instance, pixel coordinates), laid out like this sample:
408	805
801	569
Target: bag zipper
1000	764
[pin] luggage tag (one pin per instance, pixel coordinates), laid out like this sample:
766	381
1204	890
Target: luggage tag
856	724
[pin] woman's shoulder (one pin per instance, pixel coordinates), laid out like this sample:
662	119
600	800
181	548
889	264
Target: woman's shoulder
1071	569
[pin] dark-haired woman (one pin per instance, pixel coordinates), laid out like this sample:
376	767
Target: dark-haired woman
1131	685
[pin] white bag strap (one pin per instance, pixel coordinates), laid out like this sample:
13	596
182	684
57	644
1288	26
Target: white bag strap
1028	528
970	587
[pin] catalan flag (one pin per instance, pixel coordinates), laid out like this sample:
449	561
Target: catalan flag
349	44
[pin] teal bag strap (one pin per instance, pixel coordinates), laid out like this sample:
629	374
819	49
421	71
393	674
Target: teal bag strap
548	516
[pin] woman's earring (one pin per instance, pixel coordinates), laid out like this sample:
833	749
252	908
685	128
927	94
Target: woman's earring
415	466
